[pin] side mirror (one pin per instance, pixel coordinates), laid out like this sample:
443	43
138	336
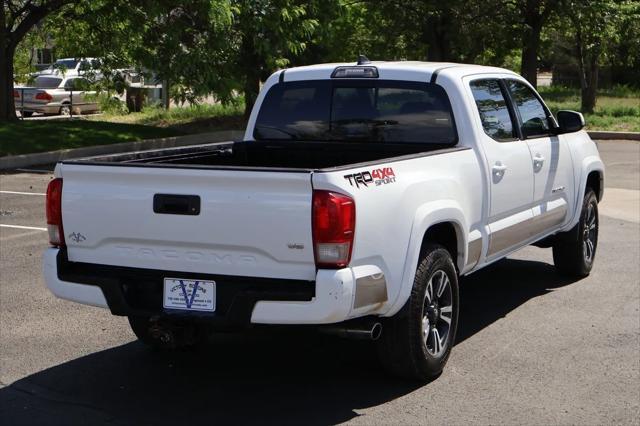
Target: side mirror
570	121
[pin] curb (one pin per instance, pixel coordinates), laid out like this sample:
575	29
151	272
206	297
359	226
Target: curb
628	136
27	160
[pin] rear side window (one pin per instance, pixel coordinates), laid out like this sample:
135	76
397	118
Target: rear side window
365	111
47	82
533	115
493	109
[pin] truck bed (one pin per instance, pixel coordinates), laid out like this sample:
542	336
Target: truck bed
277	154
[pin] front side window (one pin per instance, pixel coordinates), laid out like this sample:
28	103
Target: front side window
76	84
535	122
69	64
493	109
365	111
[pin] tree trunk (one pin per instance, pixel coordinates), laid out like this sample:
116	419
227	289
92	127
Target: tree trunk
438	39
251	90
530	46
588	67
166	96
252	65
588	92
7	105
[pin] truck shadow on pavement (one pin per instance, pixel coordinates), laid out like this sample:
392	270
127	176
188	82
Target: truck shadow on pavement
283	377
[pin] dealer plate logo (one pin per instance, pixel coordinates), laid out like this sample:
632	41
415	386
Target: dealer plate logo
190	295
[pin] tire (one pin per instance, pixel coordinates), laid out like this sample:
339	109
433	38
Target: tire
27	114
574	252
403	349
65	109
166	334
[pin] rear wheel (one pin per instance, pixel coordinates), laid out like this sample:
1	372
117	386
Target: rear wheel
65	110
27	114
574	252
167	334
417	341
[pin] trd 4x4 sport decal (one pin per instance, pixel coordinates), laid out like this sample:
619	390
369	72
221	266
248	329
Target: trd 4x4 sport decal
375	177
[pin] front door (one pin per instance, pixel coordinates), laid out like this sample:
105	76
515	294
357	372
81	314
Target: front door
550	160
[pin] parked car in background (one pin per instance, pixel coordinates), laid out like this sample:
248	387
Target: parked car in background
55	94
69	67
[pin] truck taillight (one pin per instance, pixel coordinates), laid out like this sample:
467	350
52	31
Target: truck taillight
334	223
43	96
54	213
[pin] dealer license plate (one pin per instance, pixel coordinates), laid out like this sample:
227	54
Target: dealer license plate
189	295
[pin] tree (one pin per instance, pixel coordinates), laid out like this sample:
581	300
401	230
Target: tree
456	30
534	15
593	21
25	53
200	47
183	43
17	18
623	55
266	35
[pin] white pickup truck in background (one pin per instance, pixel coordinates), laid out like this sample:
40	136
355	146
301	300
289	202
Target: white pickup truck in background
361	192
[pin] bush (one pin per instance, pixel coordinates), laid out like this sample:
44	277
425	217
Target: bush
112	105
621	91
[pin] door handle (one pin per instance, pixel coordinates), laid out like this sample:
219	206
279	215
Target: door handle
538	159
176	204
499	168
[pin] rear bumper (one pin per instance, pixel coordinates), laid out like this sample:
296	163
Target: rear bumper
240	300
51	108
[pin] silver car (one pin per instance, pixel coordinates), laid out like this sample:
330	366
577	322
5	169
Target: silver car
53	94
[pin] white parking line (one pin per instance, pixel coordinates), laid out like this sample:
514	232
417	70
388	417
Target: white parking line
21	193
35	228
4	239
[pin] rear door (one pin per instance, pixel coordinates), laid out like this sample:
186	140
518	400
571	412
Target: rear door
227	222
508	165
550	159
76	89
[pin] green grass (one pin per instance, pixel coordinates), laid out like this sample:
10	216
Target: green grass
191	119
25	137
617	109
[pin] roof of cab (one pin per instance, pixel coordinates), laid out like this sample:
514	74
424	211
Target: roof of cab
408	70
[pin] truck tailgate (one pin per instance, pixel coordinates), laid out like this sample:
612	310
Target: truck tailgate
250	223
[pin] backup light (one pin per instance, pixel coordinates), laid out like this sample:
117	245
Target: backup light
355	72
334	222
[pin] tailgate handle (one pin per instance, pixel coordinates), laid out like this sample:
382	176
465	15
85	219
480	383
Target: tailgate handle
176	204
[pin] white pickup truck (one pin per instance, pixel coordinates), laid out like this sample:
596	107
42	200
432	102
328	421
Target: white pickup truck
359	195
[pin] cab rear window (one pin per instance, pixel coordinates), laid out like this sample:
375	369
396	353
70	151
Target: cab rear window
375	111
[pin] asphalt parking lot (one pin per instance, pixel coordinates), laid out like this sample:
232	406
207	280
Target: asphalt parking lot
532	348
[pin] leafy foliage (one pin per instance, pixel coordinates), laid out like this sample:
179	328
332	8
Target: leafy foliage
227	47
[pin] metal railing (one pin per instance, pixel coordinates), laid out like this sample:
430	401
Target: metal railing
71	104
